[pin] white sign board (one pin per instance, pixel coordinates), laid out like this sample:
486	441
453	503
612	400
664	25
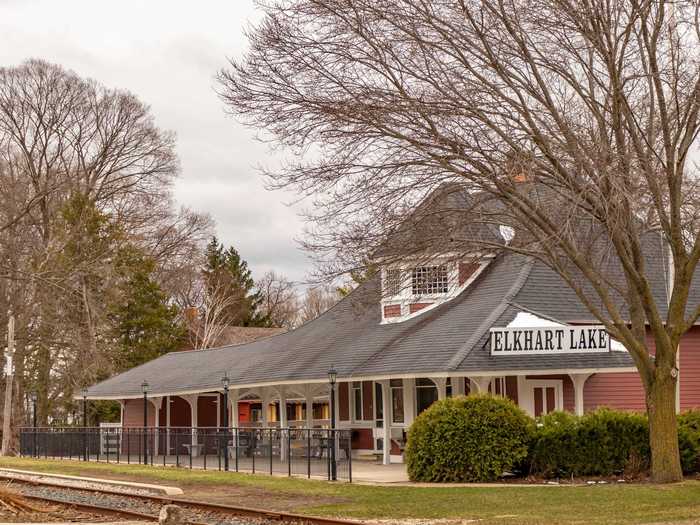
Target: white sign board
549	340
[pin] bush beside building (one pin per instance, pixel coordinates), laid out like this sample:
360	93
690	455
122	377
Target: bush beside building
479	438
465	439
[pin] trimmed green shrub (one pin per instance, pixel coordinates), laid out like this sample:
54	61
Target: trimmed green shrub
601	443
463	439
553	448
689	440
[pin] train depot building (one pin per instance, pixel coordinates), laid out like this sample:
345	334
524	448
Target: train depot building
411	335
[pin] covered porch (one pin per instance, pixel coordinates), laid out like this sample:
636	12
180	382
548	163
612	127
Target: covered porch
366	409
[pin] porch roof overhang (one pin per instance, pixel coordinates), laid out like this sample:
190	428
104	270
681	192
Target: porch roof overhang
449	340
318	382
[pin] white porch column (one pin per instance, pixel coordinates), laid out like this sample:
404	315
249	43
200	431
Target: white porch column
481	383
283	423
309	407
233	401
157	403
579	381
192	400
441	383
386	421
409	400
167	426
457	386
265	399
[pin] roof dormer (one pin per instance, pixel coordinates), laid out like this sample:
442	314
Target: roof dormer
412	288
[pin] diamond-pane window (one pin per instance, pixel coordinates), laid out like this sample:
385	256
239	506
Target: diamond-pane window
392	282
429	280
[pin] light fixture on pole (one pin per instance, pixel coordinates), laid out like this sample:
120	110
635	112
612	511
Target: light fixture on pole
332	377
225	381
144	389
84	392
34	450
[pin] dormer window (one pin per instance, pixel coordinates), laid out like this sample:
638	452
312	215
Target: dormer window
413	289
429	280
393	278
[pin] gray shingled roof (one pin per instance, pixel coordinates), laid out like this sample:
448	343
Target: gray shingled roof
448	339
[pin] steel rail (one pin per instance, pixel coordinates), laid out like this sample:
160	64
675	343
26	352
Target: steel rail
197	505
94	509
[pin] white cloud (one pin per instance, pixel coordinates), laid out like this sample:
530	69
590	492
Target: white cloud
167	53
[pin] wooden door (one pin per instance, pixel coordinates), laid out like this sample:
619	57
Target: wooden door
545	399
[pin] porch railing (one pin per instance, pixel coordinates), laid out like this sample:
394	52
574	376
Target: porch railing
313	452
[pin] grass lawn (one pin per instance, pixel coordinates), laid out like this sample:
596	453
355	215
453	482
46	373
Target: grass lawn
600	504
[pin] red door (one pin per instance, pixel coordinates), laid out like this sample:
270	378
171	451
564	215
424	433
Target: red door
545	400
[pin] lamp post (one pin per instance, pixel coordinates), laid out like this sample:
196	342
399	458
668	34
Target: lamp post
332	376
85	442
144	389
34	451
225	381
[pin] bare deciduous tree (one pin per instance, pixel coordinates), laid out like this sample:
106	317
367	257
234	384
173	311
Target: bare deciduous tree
206	328
278	300
317	300
84	171
593	105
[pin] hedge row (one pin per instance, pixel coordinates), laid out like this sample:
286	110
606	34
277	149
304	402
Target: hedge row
478	438
605	442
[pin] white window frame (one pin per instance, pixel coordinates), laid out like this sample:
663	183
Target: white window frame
503	384
406	297
558	385
391	402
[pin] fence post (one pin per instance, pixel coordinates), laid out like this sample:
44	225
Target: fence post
308	453
236	442
270	451
328	452
289	452
348	454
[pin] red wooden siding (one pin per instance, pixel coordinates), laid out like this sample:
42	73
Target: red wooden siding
414	307
180	415
392	310
512	388
619	390
362	439
344	401
243	412
367	397
163	413
206	411
689	364
133	413
466	270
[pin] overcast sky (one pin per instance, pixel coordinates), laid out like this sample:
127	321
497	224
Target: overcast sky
167	53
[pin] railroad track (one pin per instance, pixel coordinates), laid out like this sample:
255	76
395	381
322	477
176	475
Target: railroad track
146	507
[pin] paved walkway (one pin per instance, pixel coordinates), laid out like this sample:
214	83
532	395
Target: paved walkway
370	472
363	471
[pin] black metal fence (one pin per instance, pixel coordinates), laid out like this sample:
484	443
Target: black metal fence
289	451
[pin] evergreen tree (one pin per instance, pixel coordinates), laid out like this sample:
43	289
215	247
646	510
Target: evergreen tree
145	324
227	274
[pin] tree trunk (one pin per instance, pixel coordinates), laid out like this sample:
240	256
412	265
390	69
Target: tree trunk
663	429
